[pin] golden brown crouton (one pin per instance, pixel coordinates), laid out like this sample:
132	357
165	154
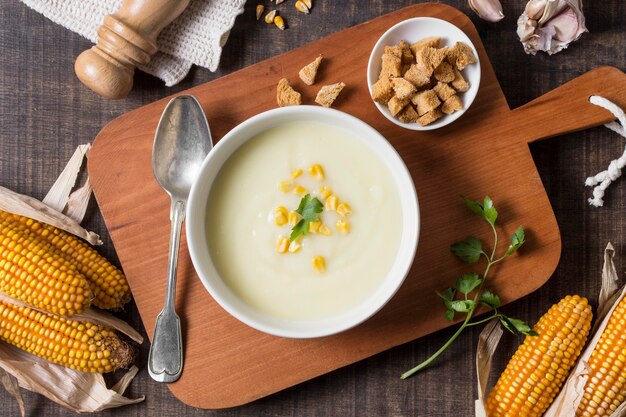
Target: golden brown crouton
405	68
443	90
407	57
395	105
328	94
395	50
430	117
459	82
432	42
382	90
418	75
452	104
426	101
287	96
308	73
430	57
391	66
444	72
461	55
404	89
408	114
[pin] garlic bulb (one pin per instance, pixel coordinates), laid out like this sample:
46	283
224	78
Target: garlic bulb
490	10
550	25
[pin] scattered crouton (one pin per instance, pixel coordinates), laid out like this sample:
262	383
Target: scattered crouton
443	90
418	75
430	58
287	96
391	66
382	90
308	73
444	72
407	114
404	89
426	101
328	94
432	42
452	104
461	55
459	82
430	117
396	105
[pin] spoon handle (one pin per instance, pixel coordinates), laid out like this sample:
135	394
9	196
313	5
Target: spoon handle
165	361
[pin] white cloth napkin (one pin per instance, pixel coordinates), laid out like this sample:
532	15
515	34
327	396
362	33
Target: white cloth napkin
195	37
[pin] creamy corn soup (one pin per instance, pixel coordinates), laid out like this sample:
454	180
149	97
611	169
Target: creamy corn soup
318	261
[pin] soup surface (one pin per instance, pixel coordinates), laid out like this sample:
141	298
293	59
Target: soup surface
244	224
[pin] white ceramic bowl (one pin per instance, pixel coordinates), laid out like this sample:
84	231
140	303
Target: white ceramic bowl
412	30
197	209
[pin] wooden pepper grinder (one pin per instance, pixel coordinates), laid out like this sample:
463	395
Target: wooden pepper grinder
126	39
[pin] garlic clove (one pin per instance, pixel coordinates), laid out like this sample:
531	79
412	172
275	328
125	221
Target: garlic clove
489	10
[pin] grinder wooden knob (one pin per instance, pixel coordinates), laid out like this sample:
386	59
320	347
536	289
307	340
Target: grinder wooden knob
126	39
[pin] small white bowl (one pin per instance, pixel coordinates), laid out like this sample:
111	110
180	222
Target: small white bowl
197	211
412	30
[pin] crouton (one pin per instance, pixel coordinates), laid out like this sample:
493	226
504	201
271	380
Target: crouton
459	82
395	105
426	101
403	88
430	58
407	115
328	94
452	104
444	72
382	91
430	117
287	96
407	57
443	90
405	68
432	42
461	55
308	73
418	75
391	66
395	50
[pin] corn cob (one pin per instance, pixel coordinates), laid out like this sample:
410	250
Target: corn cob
108	284
82	346
32	274
606	386
537	370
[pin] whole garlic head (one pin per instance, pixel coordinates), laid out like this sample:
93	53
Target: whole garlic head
490	10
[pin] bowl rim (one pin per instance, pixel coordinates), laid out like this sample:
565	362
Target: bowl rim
468	96
196	235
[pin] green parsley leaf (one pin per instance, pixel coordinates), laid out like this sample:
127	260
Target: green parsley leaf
517	240
468	250
486	210
468	282
447	294
461	306
517	326
489	299
449	315
309	209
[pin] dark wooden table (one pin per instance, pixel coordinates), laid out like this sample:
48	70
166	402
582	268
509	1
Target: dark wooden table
45	113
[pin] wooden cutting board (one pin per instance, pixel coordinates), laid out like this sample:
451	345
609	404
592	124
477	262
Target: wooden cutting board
484	152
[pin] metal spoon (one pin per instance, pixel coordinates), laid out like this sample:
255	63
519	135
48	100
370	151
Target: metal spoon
181	143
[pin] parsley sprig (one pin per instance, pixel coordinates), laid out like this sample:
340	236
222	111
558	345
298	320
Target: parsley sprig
309	209
468	292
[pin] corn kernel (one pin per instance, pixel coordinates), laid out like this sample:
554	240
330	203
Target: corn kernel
285	186
295	174
325	192
259	11
331	203
314	227
317	172
319	264
294	246
325	230
300	190
269	17
344	209
293	218
280	216
279	22
282	244
343	227
301	7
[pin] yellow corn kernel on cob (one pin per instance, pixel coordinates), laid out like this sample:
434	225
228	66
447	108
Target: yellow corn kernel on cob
295	174
606	386
331	203
537	370
317	172
82	346
319	264
282	244
32	273
344	209
280	216
107	283
343	227
325	192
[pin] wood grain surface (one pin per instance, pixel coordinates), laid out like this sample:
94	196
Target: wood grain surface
46	112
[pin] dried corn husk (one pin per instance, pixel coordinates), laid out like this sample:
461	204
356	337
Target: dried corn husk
567	401
79	391
550	25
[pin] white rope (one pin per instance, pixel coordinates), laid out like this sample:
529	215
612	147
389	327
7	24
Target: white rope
602	180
